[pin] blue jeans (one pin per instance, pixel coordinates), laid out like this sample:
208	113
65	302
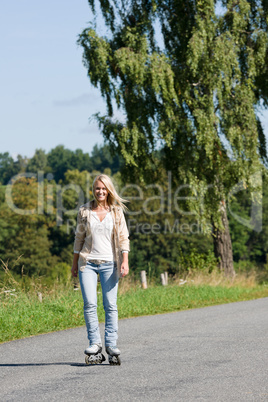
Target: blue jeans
109	283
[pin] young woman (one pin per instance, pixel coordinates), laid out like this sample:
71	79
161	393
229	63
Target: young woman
101	248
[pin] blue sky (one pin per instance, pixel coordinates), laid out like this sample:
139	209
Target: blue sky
46	98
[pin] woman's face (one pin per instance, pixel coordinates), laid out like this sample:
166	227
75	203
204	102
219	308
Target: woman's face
101	192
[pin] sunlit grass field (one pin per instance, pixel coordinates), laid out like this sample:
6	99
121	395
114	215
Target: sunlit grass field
29	307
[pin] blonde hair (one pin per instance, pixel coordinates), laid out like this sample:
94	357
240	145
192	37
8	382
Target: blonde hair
113	198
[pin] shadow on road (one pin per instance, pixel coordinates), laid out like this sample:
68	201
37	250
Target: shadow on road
52	364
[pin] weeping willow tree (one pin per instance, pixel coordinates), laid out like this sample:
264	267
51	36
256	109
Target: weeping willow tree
188	76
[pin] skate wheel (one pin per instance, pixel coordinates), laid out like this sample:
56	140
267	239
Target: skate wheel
94	359
114	361
91	359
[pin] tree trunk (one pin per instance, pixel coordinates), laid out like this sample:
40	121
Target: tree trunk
223	245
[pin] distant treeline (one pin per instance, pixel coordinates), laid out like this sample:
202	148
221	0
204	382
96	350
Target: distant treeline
58	161
37	218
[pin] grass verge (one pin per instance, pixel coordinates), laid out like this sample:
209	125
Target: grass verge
22	313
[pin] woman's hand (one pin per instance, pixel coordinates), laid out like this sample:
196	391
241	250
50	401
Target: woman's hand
74	270
124	269
75	266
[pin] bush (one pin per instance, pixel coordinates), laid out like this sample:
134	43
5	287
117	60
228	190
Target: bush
193	261
61	272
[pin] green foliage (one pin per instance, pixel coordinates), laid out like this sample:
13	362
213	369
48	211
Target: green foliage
248	244
103	159
8	168
25	243
60	272
38	245
157	227
193	261
60	160
38	162
196	97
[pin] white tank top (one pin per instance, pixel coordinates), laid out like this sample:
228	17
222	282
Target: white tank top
101	237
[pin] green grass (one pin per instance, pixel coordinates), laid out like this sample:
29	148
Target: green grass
22	314
171	298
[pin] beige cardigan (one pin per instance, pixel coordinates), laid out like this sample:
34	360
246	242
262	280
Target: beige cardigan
83	236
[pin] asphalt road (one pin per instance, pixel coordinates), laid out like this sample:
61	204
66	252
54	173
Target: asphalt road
211	354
